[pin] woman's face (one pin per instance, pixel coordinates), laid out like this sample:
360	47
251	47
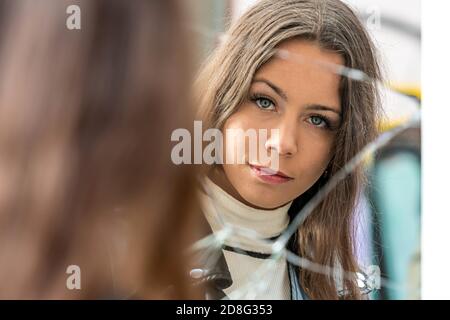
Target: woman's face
302	101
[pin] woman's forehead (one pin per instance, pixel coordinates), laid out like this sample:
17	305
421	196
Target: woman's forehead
303	80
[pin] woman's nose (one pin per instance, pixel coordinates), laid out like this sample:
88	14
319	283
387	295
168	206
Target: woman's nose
283	139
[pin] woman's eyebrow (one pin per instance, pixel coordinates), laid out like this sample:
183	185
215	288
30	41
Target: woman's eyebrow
322	108
283	95
274	88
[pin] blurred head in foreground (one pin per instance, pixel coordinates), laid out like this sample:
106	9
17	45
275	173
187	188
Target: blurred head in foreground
85	172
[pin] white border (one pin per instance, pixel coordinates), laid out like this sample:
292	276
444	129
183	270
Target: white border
436	151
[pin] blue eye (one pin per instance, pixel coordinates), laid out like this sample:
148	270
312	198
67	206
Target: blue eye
318	121
264	103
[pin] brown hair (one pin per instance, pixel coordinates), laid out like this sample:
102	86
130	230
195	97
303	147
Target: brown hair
326	236
85	169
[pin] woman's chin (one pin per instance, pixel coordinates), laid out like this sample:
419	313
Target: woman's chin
265	203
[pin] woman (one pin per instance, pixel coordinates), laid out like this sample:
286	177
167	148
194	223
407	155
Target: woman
273	72
87	187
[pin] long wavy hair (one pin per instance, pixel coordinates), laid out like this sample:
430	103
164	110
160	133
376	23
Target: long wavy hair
327	236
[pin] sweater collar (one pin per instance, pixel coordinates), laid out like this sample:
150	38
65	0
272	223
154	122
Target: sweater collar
221	209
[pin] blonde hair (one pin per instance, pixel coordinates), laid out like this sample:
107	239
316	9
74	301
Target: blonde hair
223	84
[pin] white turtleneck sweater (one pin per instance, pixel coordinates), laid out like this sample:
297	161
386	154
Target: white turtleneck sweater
218	207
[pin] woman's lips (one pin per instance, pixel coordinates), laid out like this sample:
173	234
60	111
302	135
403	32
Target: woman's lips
269	176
